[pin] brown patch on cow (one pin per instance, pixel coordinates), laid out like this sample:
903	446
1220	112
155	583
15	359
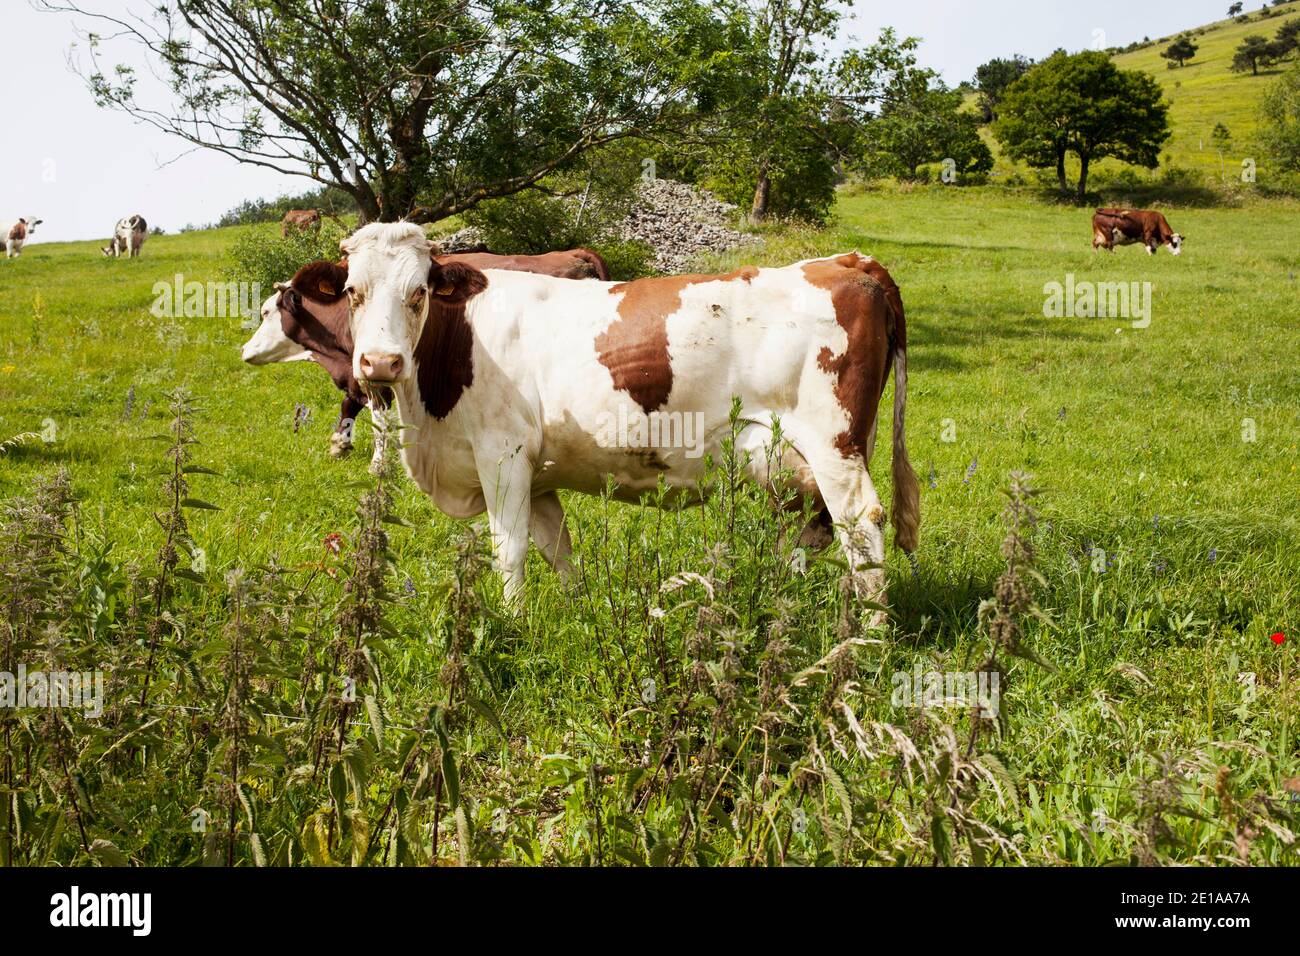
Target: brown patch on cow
635	345
320	323
869	308
570	264
444	356
19	231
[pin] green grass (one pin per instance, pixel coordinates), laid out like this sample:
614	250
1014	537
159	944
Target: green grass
1133	435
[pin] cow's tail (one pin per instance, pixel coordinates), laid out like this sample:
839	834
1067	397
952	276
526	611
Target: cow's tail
596	261
907	493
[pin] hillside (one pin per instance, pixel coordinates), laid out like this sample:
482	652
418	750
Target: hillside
1206	92
1202	94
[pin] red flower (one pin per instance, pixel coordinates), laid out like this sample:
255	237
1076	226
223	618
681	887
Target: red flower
1279	638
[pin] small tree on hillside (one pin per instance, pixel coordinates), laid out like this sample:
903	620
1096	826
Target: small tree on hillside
1180	51
1254	51
1083	104
922	122
1235	9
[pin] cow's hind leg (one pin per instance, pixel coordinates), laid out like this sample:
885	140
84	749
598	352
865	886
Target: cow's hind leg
550	533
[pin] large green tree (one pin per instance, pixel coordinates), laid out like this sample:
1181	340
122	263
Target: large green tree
1083	104
417	109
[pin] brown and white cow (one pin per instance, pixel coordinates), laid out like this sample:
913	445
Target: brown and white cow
1124	227
128	237
511	386
299	220
307	319
14	234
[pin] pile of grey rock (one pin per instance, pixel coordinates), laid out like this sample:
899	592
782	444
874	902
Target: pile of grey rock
681	223
678	221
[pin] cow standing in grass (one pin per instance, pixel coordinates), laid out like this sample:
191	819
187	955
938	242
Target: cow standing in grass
507	385
307	319
300	220
14	234
1125	227
128	237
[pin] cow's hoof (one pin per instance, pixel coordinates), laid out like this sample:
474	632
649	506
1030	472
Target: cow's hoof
376	466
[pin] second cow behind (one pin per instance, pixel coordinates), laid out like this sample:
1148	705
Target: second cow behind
307	320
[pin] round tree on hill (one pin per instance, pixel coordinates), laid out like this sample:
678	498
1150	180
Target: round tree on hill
1083	104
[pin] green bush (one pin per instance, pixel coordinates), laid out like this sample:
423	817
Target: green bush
261	255
578	208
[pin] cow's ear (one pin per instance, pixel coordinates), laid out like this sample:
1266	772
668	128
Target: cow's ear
455	282
322	280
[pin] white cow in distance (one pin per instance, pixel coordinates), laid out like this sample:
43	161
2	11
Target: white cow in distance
128	237
15	232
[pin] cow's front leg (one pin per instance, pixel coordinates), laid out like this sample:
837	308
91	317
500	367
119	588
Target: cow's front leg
341	440
551	534
507	490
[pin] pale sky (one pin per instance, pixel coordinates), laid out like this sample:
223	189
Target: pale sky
81	168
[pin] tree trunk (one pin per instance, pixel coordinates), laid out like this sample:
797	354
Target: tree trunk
1083	180
1060	171
762	193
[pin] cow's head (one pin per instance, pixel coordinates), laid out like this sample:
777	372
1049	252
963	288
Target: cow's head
395	287
1175	243
270	343
31	222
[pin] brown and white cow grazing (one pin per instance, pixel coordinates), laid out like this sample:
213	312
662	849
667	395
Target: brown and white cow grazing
1124	227
14	234
512	386
307	319
299	220
128	237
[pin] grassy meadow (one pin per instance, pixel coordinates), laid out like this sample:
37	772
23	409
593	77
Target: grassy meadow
692	699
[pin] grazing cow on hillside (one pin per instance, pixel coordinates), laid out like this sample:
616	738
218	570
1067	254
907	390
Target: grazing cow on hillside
14	234
299	220
307	319
511	386
1124	227
128	237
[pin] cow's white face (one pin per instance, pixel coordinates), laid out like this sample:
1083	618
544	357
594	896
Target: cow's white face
392	279
32	223
269	343
1176	244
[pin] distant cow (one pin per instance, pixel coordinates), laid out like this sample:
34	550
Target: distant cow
128	237
299	220
15	233
307	319
1124	227
511	387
